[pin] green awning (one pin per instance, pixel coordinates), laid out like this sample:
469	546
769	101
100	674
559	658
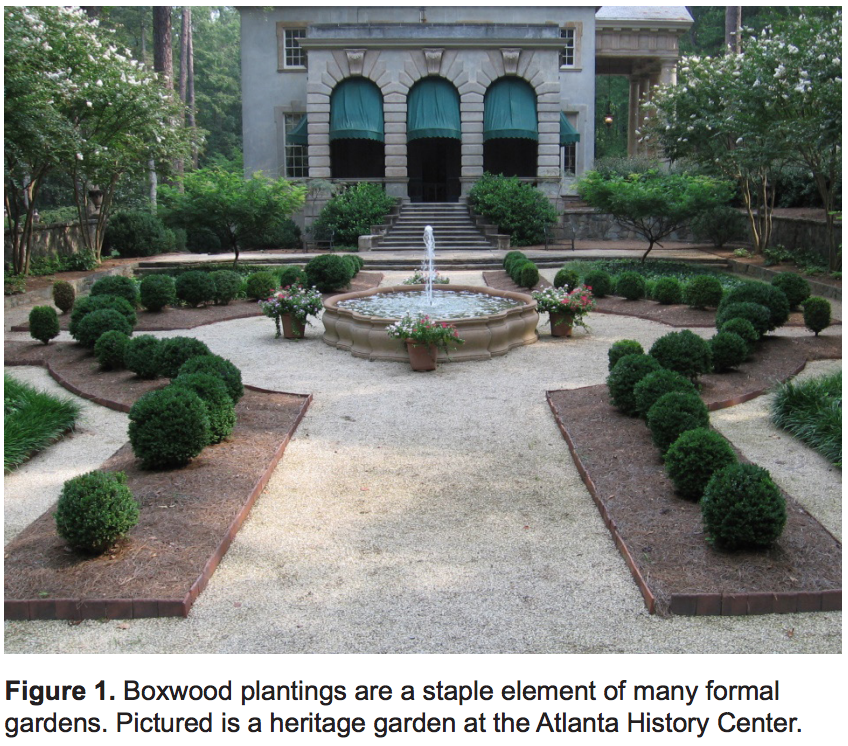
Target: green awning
510	110
298	135
567	133
356	111
433	110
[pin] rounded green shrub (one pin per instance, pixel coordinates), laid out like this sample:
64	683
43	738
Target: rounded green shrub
281	234
742	508
110	350
291	275
599	281
123	287
202	240
157	291
744	329
528	275
90	303
630	285
352	264
97	323
328	272
754	313
221	367
795	287
173	352
43	323
621	348
260	285
728	350
703	291
683	351
135	233
653	386
350	214
219	406
227	284
95	510
693	458
195	287
513	256
623	378
516	207
667	291
168	427
567	278
64	295
673	414
718	225
817	314
769	296
140	356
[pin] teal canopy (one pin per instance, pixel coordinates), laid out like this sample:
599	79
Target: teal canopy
510	110
567	133
433	110
298	136
356	111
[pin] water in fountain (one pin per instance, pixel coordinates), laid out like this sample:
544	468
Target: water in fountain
428	267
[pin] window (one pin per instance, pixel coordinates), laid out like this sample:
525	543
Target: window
297	160
294	54
569	159
569	41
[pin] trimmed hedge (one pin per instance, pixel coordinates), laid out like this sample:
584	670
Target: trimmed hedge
769	296
631	286
123	287
195	288
157	291
703	291
817	314
91	303
667	291
599	281
653	386
43	323
110	350
527	275
64	295
566	278
795	287
328	272
229	373
175	351
227	284
744	329
622	380
755	313
97	323
291	275
728	351
621	348
260	285
219	406
694	457
673	414
683	351
140	356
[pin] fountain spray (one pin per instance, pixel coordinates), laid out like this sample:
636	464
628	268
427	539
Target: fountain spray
428	268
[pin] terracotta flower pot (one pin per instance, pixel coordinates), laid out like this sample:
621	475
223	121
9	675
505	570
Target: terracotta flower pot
293	328
421	357
561	324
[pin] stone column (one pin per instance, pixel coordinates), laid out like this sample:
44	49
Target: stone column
668	72
471	117
548	108
394	113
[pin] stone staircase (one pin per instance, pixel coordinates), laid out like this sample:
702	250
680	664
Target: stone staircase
453	229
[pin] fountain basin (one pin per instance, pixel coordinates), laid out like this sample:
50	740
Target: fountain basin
485	336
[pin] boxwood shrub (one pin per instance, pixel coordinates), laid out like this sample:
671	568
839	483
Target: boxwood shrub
512	256
517	208
291	275
97	323
135	233
90	303
795	287
667	291
195	288
64	295
703	291
221	367
157	291
694	457
755	313
683	351
728	351
175	351
260	285
817	314
123	287
328	272
769	296
43	323
526	275
110	350
744	329
599	281
621	381
141	356
673	414
566	278
631	286
219	406
648	391
621	348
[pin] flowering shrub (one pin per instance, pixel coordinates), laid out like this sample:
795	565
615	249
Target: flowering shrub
577	302
422	330
296	300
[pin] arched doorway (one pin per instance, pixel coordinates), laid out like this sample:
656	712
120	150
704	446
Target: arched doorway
510	128
357	135
433	134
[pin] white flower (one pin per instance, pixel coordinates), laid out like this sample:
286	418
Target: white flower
79	156
89	104
99	84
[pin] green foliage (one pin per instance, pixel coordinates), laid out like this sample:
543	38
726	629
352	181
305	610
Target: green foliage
201	240
174	351
195	288
517	208
328	272
743	508
755	313
168	427
667	291
744	328
13	284
349	215
118	285
140	356
703	291
817	314
621	348
511	256
261	284
728	351
673	414
43	323
693	458
683	351
64	295
631	286
653	386
566	278
769	296
219	406
285	234
719	225
110	348
221	367
624	376
526	275
811	410
32	420
157	291
795	287
599	282
97	323
95	510
291	275
134	233
227	284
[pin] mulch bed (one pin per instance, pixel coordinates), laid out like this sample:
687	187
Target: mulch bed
189	516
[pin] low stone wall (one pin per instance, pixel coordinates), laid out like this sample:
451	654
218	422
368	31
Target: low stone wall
803	233
53	239
81	286
589	225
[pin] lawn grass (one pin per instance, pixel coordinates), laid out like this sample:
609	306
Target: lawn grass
32	420
812	412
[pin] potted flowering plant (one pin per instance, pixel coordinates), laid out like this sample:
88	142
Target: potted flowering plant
424	337
566	307
289	308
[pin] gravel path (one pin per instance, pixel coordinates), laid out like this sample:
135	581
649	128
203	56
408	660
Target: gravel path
428	513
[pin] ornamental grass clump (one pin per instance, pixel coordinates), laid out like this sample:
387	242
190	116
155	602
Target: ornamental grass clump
653	386
630	285
742	508
64	295
157	291
693	458
110	349
123	287
622	380
567	278
141	356
576	302
221	367
673	414
599	281
172	353
424	331
195	288
296	300
95	510
795	287
621	348
43	323
667	291
219	406
817	314
683	351
703	291
97	323
728	351
260	285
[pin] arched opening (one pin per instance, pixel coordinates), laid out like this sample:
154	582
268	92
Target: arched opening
357	135
433	133
510	128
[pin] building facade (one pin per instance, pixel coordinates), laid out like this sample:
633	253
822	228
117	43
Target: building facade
425	99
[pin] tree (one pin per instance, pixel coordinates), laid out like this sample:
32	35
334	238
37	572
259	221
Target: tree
236	209
653	203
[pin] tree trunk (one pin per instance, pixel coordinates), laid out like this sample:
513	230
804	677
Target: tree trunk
732	29
163	58
186	25
192	122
